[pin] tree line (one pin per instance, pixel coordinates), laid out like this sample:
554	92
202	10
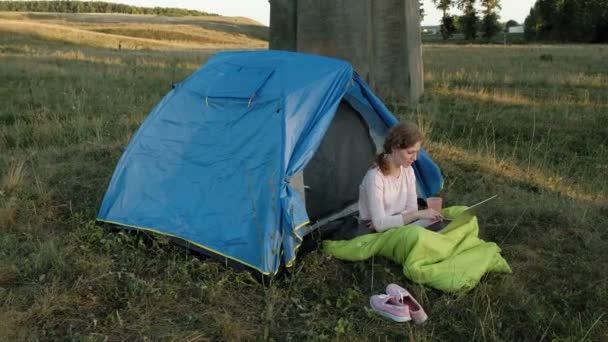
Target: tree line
471	22
584	21
66	6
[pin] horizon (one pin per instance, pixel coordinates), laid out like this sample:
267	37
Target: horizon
259	10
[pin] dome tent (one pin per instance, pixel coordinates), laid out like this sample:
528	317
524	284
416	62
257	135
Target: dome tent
252	152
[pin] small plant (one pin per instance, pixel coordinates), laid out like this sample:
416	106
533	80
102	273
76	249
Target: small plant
546	57
343	326
345	301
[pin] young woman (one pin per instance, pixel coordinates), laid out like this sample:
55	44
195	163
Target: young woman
387	194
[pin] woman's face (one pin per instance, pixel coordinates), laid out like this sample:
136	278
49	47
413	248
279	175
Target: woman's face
406	156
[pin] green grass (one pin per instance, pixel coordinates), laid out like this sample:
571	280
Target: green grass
499	120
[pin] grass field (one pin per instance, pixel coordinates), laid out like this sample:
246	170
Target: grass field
138	31
499	120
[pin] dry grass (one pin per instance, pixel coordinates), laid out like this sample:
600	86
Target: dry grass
508	169
109	18
514	97
128	37
186	34
78	36
12	179
145	33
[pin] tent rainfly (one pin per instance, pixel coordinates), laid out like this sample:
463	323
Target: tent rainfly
251	153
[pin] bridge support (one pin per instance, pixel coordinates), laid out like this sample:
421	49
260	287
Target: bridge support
380	38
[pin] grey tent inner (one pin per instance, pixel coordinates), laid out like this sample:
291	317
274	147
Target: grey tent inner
333	175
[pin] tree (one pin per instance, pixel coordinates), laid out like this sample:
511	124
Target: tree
457	23
68	6
568	21
448	27
422	14
469	19
447	21
545	19
530	25
599	17
489	23
443	5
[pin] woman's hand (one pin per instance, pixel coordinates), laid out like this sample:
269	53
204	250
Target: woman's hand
427	214
430	214
370	225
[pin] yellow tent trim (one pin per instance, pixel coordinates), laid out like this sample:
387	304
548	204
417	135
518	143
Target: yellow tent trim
192	242
295	250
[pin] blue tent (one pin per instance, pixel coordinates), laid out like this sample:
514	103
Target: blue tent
225	162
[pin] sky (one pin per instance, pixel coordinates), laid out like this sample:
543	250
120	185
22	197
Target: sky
260	9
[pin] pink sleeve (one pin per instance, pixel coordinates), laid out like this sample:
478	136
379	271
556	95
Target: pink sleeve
375	202
411	204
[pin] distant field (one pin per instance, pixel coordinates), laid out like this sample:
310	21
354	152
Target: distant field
138	31
498	120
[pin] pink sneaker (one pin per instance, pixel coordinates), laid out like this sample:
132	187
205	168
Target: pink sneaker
404	298
389	306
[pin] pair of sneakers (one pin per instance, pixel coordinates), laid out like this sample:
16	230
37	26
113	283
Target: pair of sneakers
398	304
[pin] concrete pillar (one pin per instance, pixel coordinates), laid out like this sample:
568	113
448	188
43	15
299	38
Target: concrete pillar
413	49
380	38
335	28
283	18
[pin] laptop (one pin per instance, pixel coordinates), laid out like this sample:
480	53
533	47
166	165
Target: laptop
438	226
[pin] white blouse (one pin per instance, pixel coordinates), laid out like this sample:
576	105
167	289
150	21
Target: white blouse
383	199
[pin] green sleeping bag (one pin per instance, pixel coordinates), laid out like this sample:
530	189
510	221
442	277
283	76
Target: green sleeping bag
452	260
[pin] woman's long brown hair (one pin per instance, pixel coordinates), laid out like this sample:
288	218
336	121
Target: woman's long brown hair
403	135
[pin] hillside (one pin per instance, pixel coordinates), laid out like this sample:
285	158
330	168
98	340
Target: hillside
138	31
